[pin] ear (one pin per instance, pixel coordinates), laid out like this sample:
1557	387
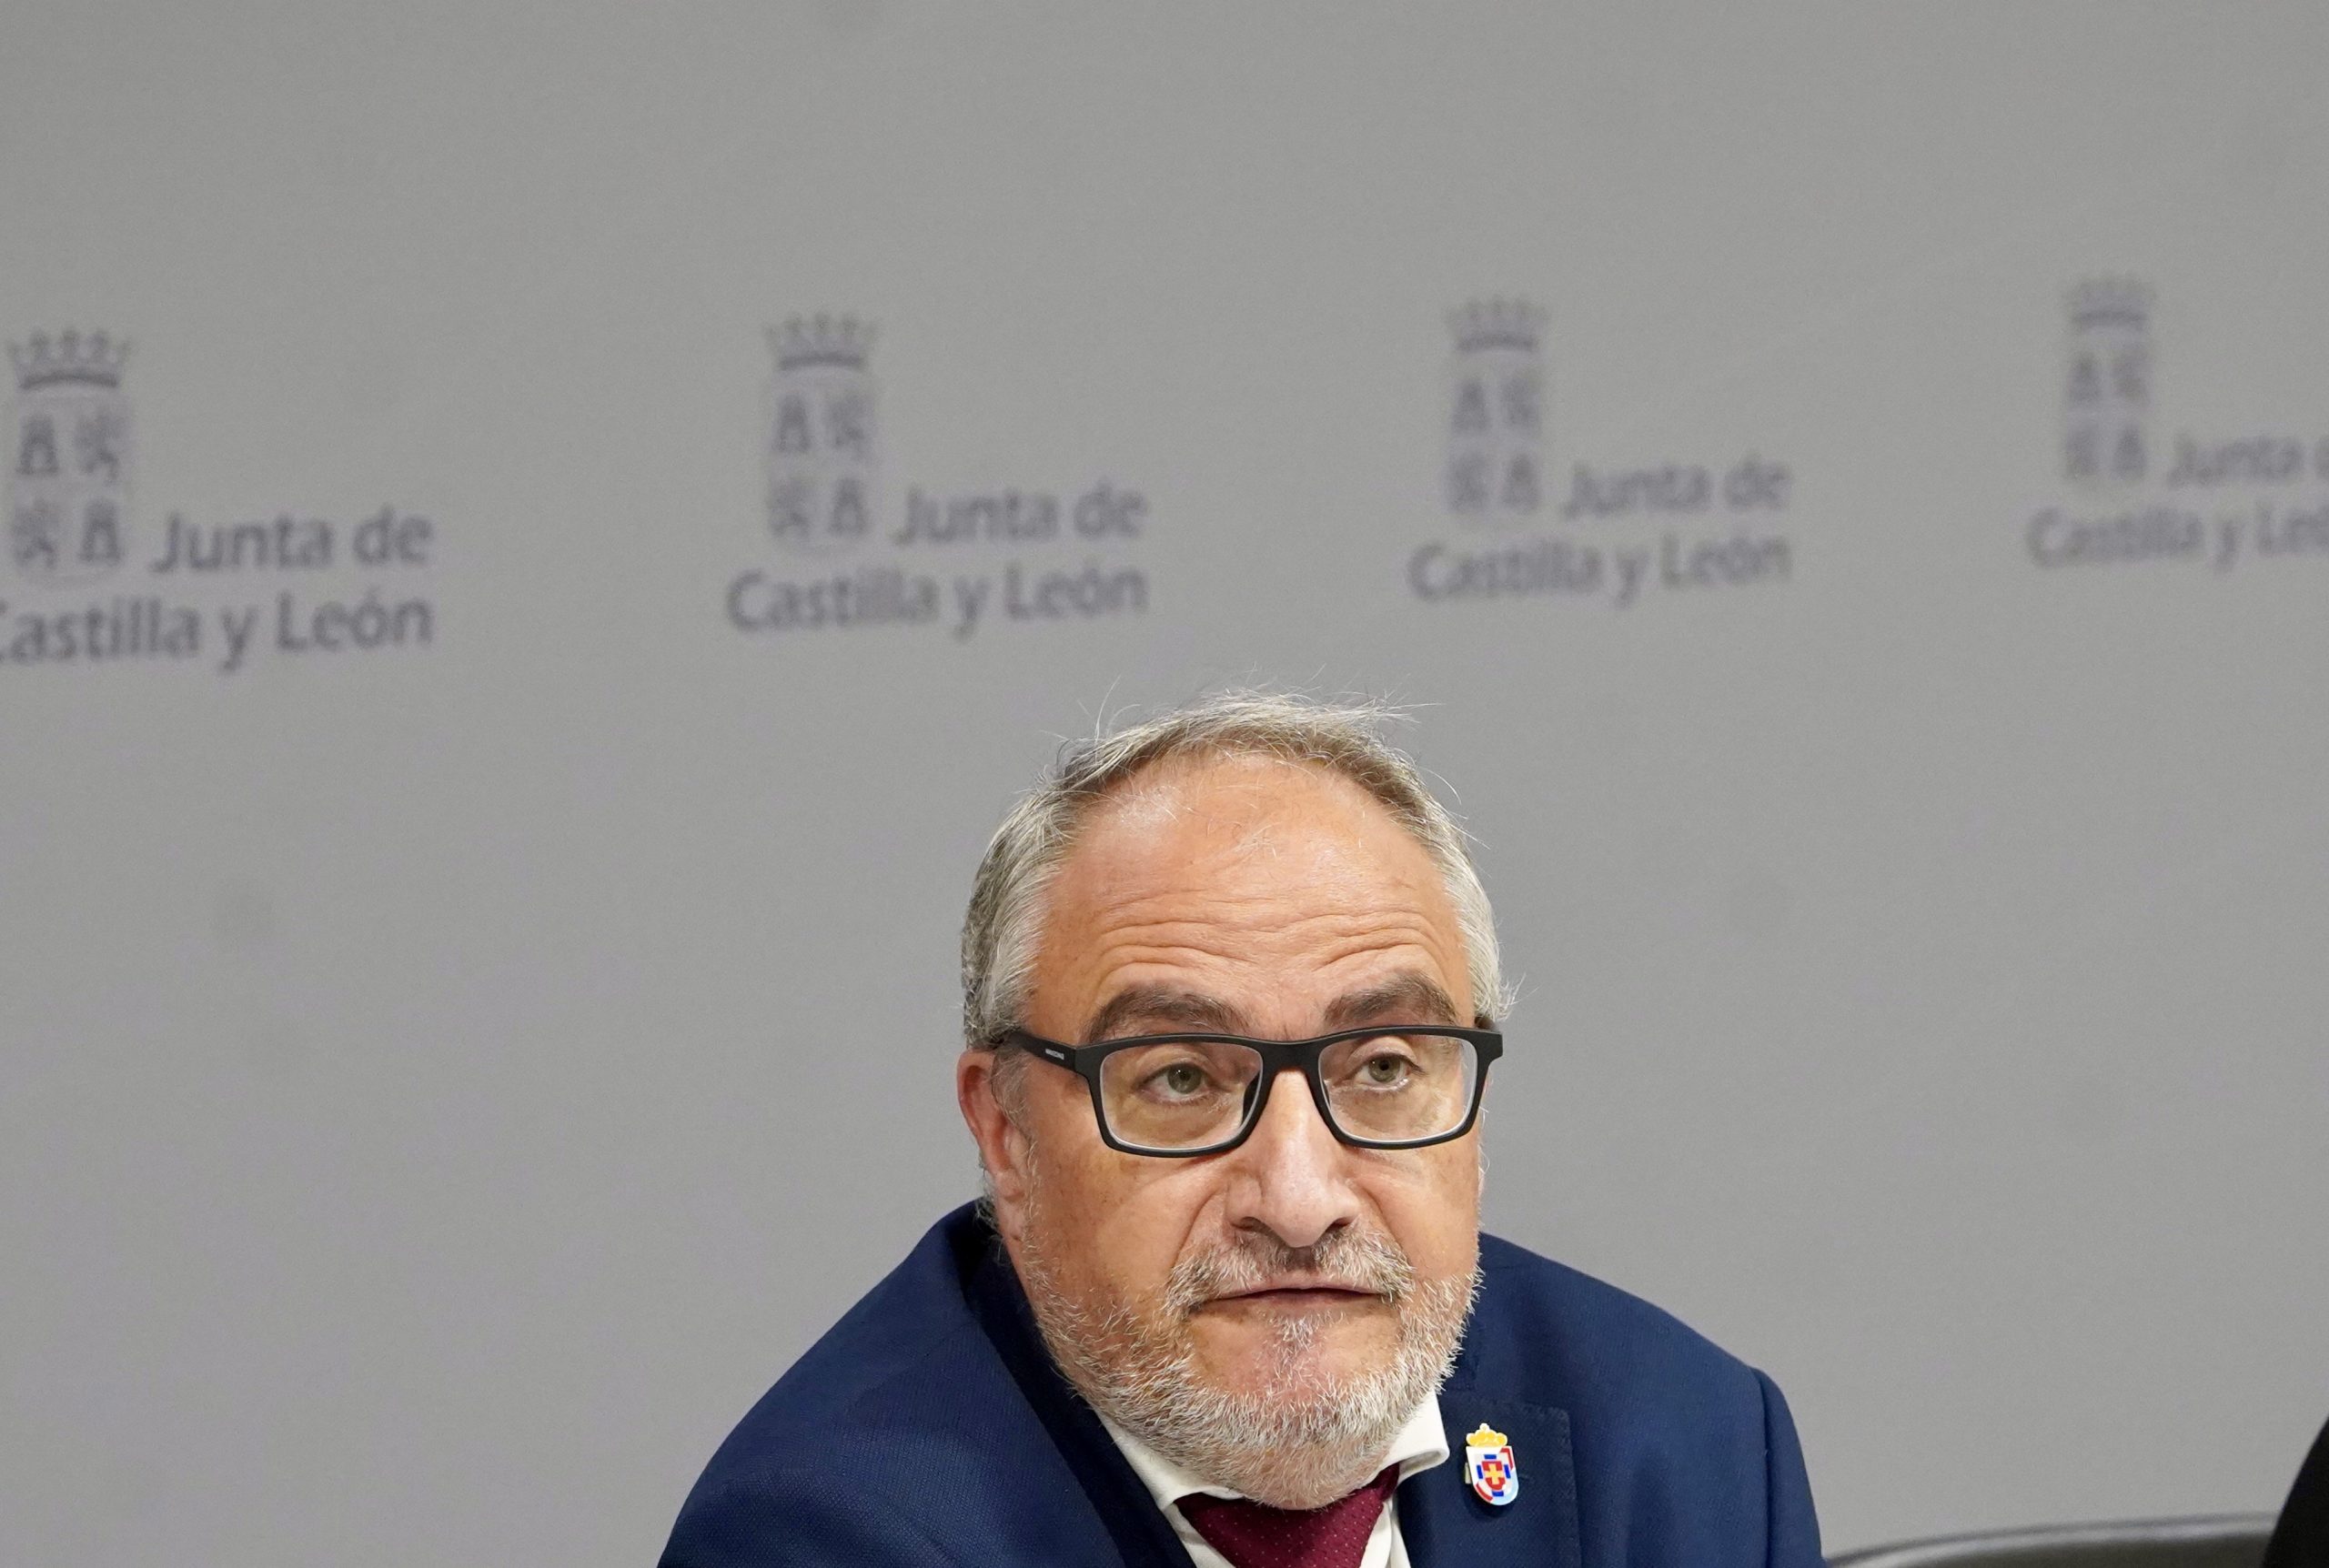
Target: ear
1003	1147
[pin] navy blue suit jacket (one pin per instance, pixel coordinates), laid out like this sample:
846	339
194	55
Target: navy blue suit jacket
931	1429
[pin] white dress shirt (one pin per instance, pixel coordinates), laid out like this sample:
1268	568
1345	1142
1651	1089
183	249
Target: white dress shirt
1421	1444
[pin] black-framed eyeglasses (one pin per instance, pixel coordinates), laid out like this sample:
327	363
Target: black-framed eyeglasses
1387	1086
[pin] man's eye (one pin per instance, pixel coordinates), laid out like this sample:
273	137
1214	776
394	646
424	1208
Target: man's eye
1181	1078
1384	1071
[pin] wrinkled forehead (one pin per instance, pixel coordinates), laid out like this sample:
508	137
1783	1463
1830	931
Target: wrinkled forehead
1238	872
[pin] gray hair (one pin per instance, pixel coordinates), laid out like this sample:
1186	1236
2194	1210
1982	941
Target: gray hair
1006	912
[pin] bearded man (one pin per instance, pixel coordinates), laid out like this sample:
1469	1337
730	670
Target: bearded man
1230	991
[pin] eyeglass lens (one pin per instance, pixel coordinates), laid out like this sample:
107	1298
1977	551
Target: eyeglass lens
1386	1088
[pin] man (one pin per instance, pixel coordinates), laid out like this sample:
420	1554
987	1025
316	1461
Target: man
1229	990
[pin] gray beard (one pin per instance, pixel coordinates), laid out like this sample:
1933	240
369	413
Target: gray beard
1292	1440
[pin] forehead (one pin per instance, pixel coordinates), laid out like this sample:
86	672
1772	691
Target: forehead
1225	874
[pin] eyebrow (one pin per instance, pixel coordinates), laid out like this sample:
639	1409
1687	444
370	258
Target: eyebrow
1409	996
1152	1005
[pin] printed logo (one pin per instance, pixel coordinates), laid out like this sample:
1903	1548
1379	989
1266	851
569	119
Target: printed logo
845	558
70	527
822	461
2218	502
1622	532
2106	398
69	489
1495	419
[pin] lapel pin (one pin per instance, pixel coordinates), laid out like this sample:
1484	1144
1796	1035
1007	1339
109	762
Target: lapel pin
1487	1463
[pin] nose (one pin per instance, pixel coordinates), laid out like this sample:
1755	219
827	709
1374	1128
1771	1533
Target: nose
1290	1177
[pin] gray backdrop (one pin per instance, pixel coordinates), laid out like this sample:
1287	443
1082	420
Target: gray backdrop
477	993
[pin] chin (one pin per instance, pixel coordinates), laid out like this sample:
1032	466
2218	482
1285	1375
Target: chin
1293	1361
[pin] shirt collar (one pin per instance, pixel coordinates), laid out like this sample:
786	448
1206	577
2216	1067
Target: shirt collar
1417	1445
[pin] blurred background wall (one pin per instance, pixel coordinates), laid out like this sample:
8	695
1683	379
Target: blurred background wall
504	679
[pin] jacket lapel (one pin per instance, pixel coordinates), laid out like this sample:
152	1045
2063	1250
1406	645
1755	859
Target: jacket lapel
1446	1525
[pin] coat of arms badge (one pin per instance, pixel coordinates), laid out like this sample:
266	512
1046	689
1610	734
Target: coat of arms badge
1487	1463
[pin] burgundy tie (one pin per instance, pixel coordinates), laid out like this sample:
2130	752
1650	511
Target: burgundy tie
1256	1536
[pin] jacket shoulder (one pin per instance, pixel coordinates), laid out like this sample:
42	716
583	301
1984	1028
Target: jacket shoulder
1683	1454
908	1357
902	1436
1541	1322
902	1385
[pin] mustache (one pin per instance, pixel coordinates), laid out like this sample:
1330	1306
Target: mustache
1368	1262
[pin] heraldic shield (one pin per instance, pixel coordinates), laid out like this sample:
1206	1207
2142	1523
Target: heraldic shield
1487	1463
68	479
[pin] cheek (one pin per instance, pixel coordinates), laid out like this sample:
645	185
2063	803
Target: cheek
1131	1219
1139	1240
1433	1209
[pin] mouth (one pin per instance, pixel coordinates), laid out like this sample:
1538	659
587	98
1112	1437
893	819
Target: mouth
1297	1297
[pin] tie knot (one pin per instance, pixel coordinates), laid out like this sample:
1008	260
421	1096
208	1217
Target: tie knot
1256	1536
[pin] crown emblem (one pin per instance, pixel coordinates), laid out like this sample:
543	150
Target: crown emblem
94	361
1484	1436
2109	302
1496	323
805	340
